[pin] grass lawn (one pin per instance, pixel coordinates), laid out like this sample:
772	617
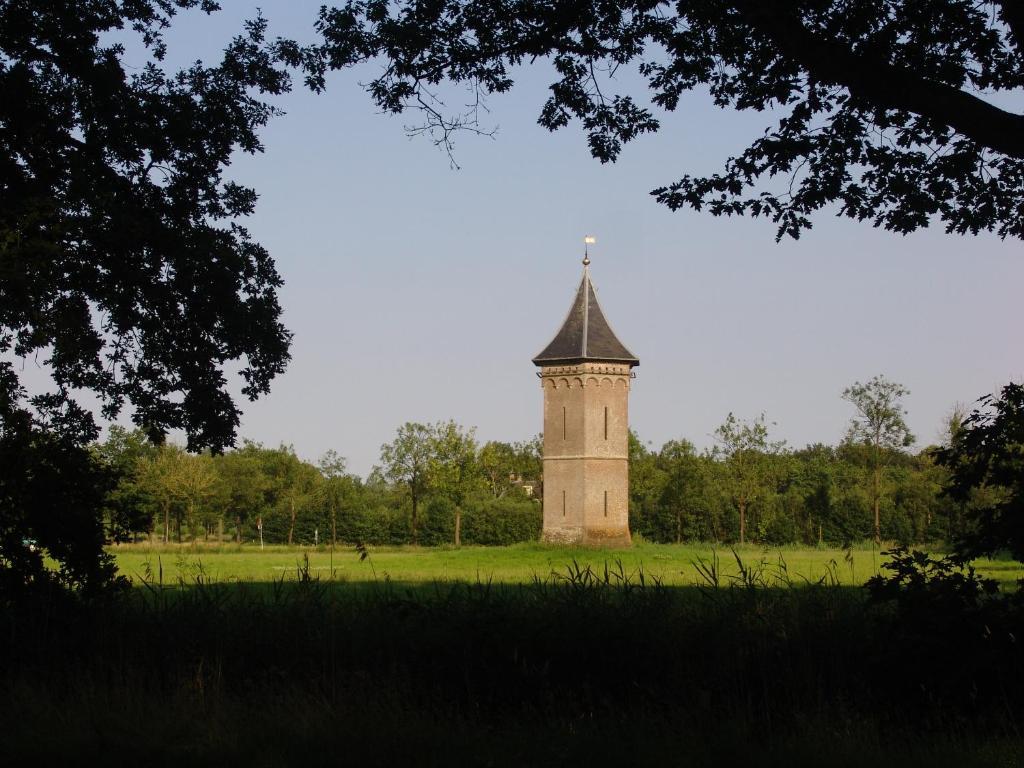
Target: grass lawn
671	563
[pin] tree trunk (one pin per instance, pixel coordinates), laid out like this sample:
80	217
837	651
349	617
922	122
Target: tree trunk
743	521
875	494
458	527
679	527
167	523
291	525
415	537
238	528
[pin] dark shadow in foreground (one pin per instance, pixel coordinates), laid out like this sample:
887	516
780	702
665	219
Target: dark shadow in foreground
596	667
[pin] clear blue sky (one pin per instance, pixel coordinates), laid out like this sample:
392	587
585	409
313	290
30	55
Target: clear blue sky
417	293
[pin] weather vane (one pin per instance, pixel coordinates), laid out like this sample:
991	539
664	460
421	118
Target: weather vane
588	241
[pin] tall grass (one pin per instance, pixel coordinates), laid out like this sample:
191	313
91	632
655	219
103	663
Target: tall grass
590	664
672	563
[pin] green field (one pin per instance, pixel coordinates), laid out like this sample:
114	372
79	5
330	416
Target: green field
674	564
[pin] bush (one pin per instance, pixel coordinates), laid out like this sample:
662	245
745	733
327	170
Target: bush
963	633
921	585
437	523
382	526
52	493
496	522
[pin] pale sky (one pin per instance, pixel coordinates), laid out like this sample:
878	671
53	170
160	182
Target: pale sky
418	293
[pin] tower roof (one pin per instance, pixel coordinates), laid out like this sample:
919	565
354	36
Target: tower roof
585	336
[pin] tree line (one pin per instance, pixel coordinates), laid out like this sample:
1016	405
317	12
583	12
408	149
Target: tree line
749	487
437	484
819	494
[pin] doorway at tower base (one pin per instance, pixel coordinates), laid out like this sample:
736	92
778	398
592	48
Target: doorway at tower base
579	536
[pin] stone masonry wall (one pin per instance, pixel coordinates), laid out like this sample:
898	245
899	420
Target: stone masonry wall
586	444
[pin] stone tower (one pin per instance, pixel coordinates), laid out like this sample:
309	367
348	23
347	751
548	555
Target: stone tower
585	373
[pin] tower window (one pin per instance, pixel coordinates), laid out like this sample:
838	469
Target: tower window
563	422
563	503
606	422
606	502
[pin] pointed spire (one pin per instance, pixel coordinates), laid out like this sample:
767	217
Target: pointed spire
585	336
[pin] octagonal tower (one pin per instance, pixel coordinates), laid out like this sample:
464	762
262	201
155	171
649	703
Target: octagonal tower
585	373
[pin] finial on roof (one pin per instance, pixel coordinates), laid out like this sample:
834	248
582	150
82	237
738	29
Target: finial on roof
588	241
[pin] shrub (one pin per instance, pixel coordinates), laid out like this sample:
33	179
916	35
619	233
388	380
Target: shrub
437	525
382	526
497	522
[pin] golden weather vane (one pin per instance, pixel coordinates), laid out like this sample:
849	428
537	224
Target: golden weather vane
588	241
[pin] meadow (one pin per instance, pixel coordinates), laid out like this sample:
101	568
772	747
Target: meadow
587	667
669	564
520	655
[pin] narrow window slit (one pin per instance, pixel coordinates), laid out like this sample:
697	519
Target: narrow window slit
563	503
606	503
606	422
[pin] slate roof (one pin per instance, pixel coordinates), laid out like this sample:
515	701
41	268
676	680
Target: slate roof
585	336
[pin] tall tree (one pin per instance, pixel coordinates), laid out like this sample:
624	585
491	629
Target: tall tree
196	480
879	426
406	460
747	451
986	463
453	469
684	488
161	477
243	485
953	424
897	112
646	484
123	261
498	464
334	488
529	458
129	509
292	483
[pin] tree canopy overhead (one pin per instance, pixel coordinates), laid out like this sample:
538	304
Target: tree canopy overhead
123	266
893	111
122	262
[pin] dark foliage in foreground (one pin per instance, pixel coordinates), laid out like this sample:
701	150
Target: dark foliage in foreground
986	464
123	265
66	484
956	624
888	111
499	674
